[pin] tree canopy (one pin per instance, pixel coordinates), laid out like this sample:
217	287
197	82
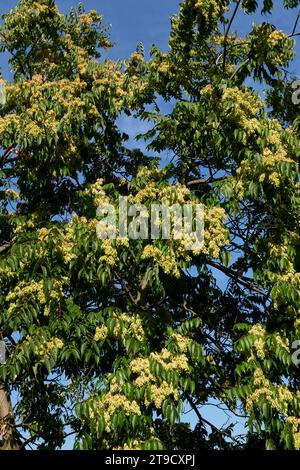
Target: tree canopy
110	340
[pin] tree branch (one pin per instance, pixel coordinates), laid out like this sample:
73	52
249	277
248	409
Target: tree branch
296	23
7	153
5	247
227	32
245	281
212	426
140	296
203	181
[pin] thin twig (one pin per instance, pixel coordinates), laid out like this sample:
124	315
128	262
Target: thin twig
296	23
245	281
212	426
227	32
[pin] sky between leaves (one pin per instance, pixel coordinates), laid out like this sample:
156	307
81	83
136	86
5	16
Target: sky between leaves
147	21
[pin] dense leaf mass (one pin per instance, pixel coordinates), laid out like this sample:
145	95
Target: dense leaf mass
112	340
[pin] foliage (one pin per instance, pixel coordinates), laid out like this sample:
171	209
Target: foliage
113	339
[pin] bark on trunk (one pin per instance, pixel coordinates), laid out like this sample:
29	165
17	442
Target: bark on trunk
8	433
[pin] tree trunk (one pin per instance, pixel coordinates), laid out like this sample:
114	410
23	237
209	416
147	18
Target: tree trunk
8	433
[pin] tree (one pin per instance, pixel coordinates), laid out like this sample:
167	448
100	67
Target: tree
110	339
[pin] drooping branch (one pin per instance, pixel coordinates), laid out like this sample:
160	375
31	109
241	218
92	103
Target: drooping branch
7	153
295	25
243	280
211	425
204	181
227	32
137	300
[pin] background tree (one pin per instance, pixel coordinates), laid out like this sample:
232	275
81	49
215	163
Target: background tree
110	339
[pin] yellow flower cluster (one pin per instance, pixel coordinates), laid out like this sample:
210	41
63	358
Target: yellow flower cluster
129	324
55	343
88	18
113	402
245	103
110	256
160	392
281	251
167	262
163	67
107	231
56	292
68	243
68	99
210	360
33	130
170	361
101	333
82	61
177	194
65	239
9	123
159	389
260	348
271	158
274	137
97	192
277	396
259	344
285	54
291	278
149	173
137	57
35	289
243	111
267	170
171	194
43	233
151	191
207	90
141	366
295	422
7	272
173	197
276	37
257	330
215	233
297	440
44	348
282	342
41	7
182	342
277	251
37	78
210	9
24	224
23	291
120	88
131	445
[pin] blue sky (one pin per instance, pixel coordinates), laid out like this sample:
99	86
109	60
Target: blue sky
147	21
132	21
